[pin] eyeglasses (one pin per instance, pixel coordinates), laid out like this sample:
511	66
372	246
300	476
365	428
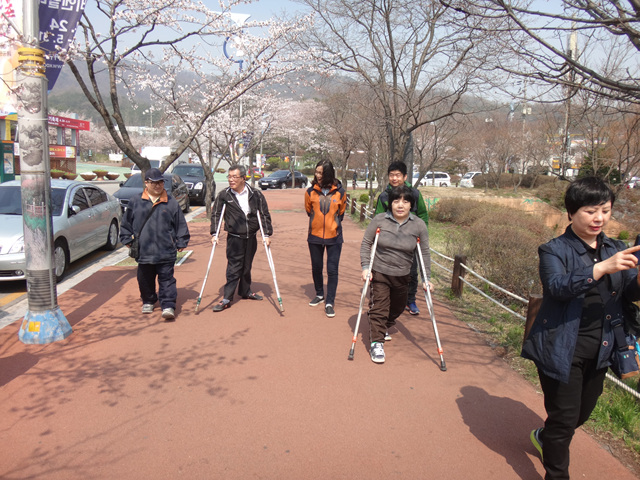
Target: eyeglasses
153	182
234	177
396	175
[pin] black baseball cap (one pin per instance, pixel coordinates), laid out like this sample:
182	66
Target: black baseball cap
153	175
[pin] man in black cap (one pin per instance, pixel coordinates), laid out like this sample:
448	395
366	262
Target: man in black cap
156	219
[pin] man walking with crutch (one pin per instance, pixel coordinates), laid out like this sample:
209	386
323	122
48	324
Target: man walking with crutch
243	205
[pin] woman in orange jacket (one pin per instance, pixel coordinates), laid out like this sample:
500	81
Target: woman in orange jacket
325	201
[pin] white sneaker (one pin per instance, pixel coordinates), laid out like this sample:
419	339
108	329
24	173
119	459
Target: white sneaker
387	337
148	307
168	314
377	352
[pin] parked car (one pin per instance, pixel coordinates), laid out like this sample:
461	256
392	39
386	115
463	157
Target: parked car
154	164
193	176
467	179
434	179
85	218
282	179
633	182
135	185
256	172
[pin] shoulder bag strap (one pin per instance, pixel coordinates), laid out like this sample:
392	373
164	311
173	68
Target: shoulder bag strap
145	220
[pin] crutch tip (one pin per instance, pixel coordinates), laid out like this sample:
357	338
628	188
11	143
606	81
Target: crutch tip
443	367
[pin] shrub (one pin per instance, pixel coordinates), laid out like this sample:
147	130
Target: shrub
553	192
364	198
623	235
457	211
500	244
273	164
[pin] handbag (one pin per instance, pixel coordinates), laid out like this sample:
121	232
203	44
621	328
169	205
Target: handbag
631	313
134	246
626	362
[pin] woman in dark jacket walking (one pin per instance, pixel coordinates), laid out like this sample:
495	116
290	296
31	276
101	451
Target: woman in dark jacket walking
586	277
325	202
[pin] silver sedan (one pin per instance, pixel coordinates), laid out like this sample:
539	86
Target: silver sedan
85	218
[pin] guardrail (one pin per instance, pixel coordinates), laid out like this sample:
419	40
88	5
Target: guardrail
458	281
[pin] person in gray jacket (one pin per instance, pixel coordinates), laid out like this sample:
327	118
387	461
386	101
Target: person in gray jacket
390	273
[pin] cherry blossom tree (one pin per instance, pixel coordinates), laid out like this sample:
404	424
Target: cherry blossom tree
412	55
576	44
174	53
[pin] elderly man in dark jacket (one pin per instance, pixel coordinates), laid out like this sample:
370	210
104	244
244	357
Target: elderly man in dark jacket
243	205
156	219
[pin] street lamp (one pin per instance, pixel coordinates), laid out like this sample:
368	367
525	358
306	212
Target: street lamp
233	50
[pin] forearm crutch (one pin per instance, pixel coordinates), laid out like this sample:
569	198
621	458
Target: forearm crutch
427	297
270	259
213	249
363	296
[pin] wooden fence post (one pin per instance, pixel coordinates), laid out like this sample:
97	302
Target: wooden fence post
362	216
353	207
535	301
458	274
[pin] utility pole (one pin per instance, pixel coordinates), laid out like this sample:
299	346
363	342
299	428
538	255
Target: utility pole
44	322
566	136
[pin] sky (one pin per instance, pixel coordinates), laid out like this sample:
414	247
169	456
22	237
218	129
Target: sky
265	9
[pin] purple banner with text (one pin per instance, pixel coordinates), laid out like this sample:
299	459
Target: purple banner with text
58	22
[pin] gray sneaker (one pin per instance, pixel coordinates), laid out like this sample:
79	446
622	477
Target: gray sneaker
148	307
377	352
168	314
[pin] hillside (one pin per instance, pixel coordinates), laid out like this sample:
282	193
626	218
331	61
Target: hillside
67	96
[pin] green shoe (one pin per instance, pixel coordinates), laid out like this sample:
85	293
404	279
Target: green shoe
537	442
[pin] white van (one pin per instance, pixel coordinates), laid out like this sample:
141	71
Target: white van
467	179
436	179
154	164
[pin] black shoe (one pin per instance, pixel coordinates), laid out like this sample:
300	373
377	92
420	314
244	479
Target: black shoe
222	305
316	301
253	296
329	311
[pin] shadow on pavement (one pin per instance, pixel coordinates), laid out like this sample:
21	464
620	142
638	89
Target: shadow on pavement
490	420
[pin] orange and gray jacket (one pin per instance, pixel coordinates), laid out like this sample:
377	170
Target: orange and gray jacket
326	212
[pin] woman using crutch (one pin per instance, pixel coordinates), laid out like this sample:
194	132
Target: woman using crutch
390	274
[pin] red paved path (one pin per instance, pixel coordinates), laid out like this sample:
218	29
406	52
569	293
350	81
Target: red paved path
248	393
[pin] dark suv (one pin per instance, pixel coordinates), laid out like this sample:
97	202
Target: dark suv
282	179
193	176
135	186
